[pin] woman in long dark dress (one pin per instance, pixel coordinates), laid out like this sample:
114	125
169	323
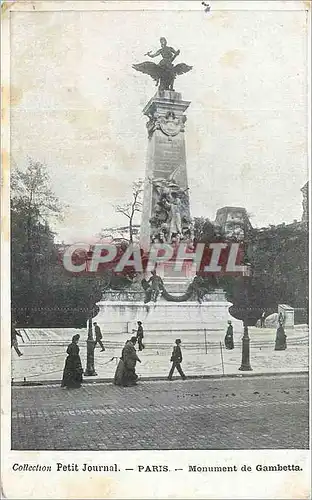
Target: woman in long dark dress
280	339
72	374
228	341
125	372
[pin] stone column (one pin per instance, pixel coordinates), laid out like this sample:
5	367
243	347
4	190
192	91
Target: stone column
165	154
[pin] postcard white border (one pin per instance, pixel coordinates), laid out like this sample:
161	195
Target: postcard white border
129	484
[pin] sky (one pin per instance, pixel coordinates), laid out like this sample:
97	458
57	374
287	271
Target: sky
77	107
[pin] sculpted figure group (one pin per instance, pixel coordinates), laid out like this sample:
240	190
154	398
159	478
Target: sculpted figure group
169	224
154	288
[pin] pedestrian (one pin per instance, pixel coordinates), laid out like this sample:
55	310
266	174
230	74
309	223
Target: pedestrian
228	340
125	372
176	358
72	374
280	339
281	319
120	372
262	320
140	336
14	342
98	336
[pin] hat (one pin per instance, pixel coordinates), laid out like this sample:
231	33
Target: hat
133	339
178	341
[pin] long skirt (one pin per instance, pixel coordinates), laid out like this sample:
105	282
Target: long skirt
229	342
125	375
72	374
280	340
280	344
130	377
119	373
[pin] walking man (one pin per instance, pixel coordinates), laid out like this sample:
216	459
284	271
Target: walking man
98	336
14	342
140	336
176	359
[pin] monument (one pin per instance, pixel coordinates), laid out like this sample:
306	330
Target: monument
166	301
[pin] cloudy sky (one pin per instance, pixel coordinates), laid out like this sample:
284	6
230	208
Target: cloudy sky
77	106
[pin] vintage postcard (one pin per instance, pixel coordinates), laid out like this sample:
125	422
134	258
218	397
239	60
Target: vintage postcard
155	194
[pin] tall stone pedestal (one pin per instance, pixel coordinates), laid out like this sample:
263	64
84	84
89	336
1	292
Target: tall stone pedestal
166	158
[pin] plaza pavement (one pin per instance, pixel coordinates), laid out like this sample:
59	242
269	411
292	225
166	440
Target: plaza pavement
44	353
267	412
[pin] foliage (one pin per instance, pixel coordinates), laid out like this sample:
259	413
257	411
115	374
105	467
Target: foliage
205	231
31	188
279	260
43	294
280	264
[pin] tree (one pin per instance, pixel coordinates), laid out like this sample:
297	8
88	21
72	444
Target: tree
32	187
135	205
280	256
32	204
43	293
204	230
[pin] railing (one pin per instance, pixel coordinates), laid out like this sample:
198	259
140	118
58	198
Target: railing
203	345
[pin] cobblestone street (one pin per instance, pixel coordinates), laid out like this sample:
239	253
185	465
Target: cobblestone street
230	413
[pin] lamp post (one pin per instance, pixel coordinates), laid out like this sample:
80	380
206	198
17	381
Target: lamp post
90	371
245	364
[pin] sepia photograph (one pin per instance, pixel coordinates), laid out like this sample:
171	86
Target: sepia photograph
155	248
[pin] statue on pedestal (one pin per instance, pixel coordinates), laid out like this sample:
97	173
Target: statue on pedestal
175	218
153	287
164	73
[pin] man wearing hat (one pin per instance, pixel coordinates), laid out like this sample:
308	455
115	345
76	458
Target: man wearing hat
98	336
140	336
176	359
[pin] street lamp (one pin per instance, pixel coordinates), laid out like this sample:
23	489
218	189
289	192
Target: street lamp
90	370
245	364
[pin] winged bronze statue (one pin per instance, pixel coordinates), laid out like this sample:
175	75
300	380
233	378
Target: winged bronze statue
165	72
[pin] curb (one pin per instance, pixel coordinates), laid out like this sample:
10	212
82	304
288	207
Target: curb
161	379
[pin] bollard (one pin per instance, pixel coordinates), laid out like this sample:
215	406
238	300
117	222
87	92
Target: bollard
205	332
222	363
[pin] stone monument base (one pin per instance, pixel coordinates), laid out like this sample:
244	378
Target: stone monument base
119	315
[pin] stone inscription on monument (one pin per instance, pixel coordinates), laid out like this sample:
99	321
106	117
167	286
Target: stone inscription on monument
166	212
